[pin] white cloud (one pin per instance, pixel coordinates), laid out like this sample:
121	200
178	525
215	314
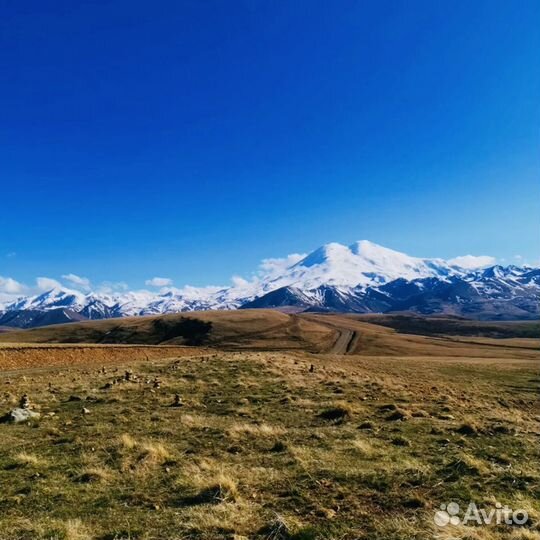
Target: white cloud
10	286
193	293
268	269
77	281
275	267
159	282
46	284
472	261
239	281
109	287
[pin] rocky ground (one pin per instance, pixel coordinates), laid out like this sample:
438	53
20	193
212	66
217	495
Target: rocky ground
269	445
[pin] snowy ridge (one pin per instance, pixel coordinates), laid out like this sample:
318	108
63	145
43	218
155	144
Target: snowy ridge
362	277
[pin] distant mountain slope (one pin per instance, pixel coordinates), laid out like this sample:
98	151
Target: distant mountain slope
360	278
510	295
32	317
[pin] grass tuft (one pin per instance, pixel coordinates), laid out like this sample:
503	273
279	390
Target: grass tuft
338	413
24	459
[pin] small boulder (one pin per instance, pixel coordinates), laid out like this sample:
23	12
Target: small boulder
18	415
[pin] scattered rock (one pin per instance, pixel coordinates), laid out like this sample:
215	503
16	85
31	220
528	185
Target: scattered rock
366	425
85	410
177	401
18	415
24	402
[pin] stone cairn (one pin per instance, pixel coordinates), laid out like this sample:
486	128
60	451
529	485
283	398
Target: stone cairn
24	402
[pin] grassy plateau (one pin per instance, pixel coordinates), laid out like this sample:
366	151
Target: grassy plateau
267	433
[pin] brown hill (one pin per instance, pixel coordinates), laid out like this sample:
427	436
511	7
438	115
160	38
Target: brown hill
274	330
436	325
253	329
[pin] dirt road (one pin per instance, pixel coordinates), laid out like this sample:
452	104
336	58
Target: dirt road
344	342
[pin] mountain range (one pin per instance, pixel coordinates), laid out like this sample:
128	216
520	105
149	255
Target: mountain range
362	278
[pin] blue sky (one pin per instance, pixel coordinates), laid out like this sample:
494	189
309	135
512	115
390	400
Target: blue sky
193	139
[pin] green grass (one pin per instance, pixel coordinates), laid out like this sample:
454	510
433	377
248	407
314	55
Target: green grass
262	448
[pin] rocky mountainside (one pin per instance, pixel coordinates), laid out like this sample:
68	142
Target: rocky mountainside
512	294
361	278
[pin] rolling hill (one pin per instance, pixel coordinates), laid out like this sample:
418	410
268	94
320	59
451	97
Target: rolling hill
268	330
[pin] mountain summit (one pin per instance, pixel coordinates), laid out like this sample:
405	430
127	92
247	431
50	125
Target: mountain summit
362	263
363	277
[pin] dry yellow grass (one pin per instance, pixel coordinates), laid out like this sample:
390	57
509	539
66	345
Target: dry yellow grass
256	430
24	459
249	453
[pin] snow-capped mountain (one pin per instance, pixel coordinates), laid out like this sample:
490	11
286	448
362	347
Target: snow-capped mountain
362	263
362	277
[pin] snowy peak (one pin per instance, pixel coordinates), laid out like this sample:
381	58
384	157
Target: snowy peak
363	263
376	253
53	298
361	277
332	253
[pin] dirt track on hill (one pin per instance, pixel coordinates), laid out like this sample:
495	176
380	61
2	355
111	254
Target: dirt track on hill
343	345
